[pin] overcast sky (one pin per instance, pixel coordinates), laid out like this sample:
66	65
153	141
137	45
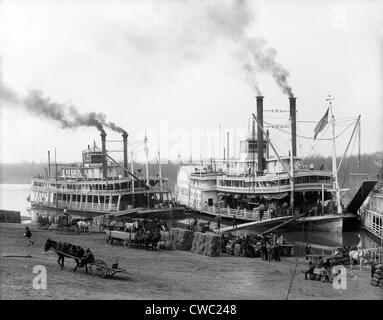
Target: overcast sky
168	67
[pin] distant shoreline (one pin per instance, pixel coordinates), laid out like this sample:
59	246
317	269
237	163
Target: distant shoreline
15	181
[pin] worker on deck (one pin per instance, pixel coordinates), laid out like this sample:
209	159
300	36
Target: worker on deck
307	250
285	209
234	222
261	210
272	212
218	223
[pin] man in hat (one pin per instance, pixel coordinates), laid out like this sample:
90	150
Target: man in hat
88	257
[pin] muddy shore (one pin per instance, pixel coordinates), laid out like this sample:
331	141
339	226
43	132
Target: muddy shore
159	274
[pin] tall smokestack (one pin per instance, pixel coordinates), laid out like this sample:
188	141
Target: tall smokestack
260	134
49	164
293	116
125	142
103	143
227	152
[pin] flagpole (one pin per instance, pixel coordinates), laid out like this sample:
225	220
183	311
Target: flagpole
334	165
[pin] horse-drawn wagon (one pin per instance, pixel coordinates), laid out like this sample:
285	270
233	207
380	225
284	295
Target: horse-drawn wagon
83	260
124	238
65	223
138	239
43	223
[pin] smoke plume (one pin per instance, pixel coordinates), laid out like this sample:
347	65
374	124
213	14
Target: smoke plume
37	104
194	26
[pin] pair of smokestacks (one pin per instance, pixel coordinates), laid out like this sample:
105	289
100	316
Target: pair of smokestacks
104	162
260	144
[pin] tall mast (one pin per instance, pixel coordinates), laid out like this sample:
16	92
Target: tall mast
334	165
57	189
132	169
146	159
160	173
147	166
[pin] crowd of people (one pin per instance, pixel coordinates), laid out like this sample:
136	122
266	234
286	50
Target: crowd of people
266	246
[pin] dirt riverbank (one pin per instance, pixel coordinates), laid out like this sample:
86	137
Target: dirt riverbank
159	274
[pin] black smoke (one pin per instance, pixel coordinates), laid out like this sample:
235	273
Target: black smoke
37	104
196	25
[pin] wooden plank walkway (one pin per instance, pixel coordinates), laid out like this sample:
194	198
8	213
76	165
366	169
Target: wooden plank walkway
256	223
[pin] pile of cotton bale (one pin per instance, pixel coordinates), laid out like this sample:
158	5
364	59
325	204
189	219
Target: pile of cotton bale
237	250
166	240
208	244
377	275
181	239
230	248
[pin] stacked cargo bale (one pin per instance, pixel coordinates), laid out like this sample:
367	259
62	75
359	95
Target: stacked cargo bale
181	239
208	244
377	275
198	245
166	240
237	250
230	249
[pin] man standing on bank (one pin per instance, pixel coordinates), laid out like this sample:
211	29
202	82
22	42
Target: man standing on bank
28	235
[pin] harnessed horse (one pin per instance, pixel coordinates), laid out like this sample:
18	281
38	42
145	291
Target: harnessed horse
67	250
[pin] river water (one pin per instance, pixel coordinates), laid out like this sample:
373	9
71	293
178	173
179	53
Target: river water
14	197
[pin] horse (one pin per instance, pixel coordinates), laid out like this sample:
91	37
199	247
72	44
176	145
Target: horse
152	238
131	226
141	238
83	226
66	250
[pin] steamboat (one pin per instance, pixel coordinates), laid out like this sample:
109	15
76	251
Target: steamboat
100	185
284	185
372	213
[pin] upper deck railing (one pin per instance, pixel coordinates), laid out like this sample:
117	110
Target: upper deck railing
86	191
277	189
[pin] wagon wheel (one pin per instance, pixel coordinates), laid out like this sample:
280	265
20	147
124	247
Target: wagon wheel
126	243
98	272
104	272
109	273
108	239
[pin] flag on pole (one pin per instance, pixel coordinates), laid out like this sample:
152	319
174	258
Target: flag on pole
321	124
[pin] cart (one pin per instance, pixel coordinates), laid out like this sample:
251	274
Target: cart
43	223
102	269
124	238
